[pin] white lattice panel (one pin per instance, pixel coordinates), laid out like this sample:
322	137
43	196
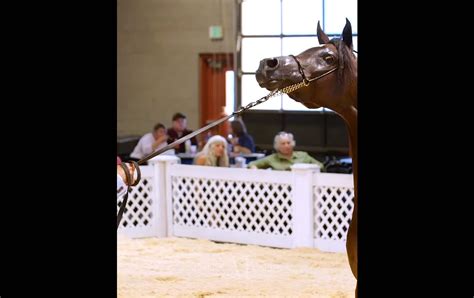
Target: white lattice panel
333	206
137	217
231	208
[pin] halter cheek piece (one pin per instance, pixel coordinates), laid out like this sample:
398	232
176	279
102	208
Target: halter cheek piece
305	80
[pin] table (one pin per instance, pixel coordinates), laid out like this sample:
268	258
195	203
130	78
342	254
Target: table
188	158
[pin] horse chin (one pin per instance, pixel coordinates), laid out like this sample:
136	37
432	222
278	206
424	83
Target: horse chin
275	84
308	104
272	85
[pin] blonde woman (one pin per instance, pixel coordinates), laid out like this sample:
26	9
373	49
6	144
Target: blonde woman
214	153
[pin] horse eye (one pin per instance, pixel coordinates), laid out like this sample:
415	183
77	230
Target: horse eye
329	59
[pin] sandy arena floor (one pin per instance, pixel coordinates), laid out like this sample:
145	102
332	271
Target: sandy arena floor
180	267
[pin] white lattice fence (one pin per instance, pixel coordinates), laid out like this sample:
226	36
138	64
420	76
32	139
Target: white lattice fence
299	208
138	216
234	205
333	206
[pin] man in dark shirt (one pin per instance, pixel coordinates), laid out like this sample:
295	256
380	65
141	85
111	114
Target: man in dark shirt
178	130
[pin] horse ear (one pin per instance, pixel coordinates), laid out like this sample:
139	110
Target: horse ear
347	34
322	37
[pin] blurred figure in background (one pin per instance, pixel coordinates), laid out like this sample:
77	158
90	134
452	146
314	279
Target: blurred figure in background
178	130
214	153
284	157
151	142
241	141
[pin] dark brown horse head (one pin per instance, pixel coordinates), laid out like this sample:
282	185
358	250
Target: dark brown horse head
336	90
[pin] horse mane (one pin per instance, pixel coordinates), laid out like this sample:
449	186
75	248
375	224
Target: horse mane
347	68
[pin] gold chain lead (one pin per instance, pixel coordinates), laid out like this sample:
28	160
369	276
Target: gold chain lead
285	90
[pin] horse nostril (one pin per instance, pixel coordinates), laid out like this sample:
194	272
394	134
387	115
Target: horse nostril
271	63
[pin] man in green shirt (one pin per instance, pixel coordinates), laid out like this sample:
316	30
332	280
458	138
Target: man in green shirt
285	156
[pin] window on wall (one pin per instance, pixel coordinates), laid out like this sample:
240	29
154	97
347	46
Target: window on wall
272	28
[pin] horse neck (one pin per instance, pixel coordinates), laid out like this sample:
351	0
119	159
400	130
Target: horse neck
347	109
350	118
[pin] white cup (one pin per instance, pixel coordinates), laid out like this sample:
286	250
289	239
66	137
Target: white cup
240	162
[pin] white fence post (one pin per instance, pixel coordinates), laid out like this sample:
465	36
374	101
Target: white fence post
159	206
302	189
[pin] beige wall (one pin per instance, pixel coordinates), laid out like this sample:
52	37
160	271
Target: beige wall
158	45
